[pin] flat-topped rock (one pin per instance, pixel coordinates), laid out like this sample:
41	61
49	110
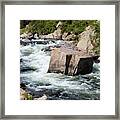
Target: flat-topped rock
70	62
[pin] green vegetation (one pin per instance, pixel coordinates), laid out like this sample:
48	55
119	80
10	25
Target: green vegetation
78	26
29	97
49	26
44	27
23	23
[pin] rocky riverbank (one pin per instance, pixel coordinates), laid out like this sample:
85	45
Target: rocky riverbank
68	58
25	95
59	66
74	60
89	37
34	64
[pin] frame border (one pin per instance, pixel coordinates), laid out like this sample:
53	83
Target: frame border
55	2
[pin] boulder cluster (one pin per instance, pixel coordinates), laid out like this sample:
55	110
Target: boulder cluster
74	60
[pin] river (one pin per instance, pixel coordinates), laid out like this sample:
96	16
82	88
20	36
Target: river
34	63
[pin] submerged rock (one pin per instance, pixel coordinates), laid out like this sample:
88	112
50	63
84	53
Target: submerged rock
24	69
23	86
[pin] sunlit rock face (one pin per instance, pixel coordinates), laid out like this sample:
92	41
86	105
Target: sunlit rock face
74	60
70	62
85	39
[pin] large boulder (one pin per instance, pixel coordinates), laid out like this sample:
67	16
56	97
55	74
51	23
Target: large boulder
70	62
57	34
85	39
57	62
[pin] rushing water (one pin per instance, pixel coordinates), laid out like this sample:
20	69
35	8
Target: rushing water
34	63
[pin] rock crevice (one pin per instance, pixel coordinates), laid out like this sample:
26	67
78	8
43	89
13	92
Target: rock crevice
67	63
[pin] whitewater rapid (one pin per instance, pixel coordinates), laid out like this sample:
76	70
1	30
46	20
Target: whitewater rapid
34	64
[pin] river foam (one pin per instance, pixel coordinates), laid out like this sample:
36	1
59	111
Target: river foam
34	66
